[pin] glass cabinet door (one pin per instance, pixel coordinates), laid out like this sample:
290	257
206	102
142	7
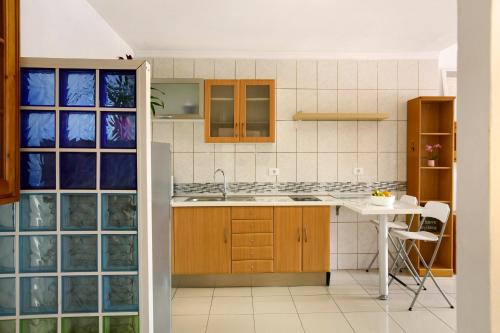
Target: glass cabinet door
257	112
221	111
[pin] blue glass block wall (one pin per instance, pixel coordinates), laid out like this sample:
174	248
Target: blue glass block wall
69	248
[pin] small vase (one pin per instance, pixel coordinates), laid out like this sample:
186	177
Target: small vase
431	163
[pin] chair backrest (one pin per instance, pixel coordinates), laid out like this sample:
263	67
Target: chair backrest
409	199
437	210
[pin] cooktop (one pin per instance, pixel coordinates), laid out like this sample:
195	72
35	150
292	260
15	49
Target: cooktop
304	198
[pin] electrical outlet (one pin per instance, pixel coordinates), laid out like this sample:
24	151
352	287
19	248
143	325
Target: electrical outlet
358	171
274	172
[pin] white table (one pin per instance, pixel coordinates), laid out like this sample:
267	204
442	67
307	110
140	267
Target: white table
363	207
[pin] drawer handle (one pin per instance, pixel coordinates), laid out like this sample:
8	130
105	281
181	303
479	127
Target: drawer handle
236	134
298	234
225	235
305	235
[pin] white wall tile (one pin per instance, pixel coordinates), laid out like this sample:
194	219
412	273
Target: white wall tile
346	164
164	132
367	101
225	69
183	167
203	167
368	161
407	74
327	167
367	74
367	238
427	92
204	68
287	164
388	103
286	103
347	101
307	136
387	74
334	262
387	136
265	69
367	136
348	237
402	167
347	136
200	146
245	69
286	74
333	215
348	74
347	215
245	167
287	136
333	238
327	74
245	147
265	147
225	161
387	167
364	260
429	75
264	161
224	147
307	74
402	136
403	97
307	100
163	68
183	136
327	136
183	68
307	167
327	101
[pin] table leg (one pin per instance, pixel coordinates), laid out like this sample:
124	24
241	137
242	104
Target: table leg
383	263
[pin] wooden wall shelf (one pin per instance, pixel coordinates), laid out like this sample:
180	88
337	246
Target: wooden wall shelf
322	116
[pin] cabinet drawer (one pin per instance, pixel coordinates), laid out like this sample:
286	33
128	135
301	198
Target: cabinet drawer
252	240
252	213
253	266
252	226
257	252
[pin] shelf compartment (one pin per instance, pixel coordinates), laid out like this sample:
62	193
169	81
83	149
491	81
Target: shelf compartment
437	116
119	253
119	211
79	253
7	218
120	293
38	325
78	211
79	294
445	154
7	261
38	254
122	324
80	324
438	184
7	297
38	295
38	212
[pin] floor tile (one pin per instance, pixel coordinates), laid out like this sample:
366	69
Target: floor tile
231	305
194	292
191	305
419	321
273	304
189	324
230	324
372	322
236	291
435	301
347	289
357	303
309	290
276	323
398	302
315	304
270	291
325	323
449	316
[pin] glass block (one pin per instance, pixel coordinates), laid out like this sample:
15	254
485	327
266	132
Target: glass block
119	252
37	254
8	326
42	325
38	171
37	87
7	254
38	129
77	87
80	325
78	170
78	211
79	294
120	293
7	218
38	295
77	129
117	88
79	253
121	324
7	297
119	211
118	171
38	212
118	130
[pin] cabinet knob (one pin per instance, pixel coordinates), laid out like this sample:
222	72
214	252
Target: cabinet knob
305	235
298	234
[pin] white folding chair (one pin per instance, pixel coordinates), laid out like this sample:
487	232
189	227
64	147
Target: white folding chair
438	211
394	225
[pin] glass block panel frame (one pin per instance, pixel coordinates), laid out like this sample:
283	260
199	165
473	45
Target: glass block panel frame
60	317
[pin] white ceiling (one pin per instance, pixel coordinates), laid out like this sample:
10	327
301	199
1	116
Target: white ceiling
320	28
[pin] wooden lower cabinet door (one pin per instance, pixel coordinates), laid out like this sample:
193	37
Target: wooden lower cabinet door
316	239
287	239
202	240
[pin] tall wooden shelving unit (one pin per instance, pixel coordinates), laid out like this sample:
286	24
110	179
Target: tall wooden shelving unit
431	121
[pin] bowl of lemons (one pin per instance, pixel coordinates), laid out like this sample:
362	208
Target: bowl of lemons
382	198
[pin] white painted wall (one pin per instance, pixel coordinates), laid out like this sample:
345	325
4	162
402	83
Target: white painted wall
67	29
448	57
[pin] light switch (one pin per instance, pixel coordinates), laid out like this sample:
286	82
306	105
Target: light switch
358	171
274	172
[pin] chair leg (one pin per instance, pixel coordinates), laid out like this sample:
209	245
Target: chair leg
404	257
371	262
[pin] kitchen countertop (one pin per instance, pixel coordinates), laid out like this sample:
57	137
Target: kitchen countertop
260	200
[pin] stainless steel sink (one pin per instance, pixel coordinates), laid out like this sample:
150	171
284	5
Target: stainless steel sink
229	198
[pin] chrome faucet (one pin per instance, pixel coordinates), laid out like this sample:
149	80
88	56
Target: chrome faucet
224	190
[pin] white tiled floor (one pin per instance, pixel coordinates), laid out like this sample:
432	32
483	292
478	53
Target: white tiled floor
348	305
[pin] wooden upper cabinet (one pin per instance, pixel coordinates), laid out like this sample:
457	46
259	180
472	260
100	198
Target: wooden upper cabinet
316	239
240	111
9	101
